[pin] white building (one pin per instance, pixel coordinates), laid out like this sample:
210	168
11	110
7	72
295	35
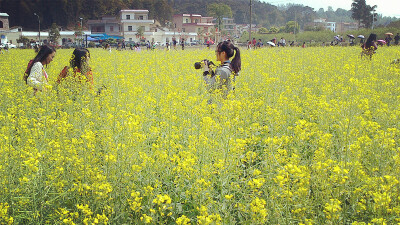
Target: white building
14	34
131	20
321	22
4	27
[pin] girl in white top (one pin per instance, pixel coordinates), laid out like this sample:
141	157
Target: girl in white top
35	75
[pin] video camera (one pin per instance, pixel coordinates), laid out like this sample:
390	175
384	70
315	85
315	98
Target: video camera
198	65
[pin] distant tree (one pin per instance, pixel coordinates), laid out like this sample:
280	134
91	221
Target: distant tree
363	13
54	33
219	11
321	13
273	30
78	32
24	40
292	26
263	30
139	32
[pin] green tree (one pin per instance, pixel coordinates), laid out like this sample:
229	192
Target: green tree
219	11
273	30
363	13
292	26
24	40
54	33
140	32
263	30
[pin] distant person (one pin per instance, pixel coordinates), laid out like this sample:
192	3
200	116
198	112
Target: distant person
137	48
248	44
304	45
35	74
167	46
282	42
396	39
148	46
78	67
259	43
388	39
254	42
183	44
174	42
369	47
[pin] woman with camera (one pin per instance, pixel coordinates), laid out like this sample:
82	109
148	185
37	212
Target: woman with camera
224	75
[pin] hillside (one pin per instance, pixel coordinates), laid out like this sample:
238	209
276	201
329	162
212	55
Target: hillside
66	13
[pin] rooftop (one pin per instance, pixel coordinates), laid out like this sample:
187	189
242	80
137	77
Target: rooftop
135	10
4	14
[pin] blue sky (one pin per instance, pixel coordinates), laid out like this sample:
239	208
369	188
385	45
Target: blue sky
385	7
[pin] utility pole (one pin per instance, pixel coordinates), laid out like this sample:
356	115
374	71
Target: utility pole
39	24
250	23
81	31
373	19
294	29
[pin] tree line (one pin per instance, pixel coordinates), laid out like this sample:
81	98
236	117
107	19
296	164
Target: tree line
66	13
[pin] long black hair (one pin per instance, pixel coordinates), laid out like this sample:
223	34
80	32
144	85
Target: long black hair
231	50
79	58
370	41
43	53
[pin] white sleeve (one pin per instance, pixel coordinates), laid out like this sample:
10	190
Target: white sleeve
35	78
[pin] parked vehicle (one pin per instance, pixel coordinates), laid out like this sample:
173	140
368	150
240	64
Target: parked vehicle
8	45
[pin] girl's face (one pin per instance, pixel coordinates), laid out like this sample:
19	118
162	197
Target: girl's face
49	58
221	56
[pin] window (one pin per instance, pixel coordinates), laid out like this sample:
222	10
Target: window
130	39
129	28
1	24
183	30
196	20
111	28
140	17
128	17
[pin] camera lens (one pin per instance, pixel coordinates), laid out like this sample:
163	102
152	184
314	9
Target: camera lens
197	65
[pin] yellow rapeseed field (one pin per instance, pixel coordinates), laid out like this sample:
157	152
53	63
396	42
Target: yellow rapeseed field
309	136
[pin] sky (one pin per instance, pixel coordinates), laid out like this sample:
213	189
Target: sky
385	7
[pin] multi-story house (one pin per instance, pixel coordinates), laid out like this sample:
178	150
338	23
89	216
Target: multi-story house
228	27
133	20
4	26
108	24
193	24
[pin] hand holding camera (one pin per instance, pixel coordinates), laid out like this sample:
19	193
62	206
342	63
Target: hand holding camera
206	65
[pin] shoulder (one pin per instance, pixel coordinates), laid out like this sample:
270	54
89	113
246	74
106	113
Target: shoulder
224	70
37	64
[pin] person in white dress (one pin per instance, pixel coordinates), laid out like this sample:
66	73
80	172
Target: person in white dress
35	74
